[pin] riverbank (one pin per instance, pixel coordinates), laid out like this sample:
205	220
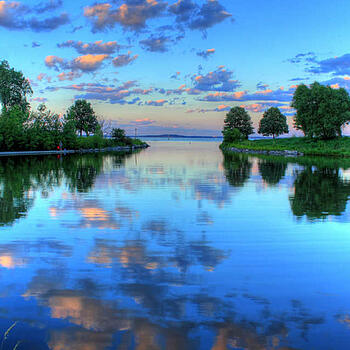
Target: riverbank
60	152
294	146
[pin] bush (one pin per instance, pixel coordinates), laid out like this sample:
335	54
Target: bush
233	135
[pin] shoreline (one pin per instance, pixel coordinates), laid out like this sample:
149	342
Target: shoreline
292	147
286	153
80	151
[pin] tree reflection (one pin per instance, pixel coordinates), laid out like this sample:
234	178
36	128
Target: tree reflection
319	193
21	177
237	168
272	171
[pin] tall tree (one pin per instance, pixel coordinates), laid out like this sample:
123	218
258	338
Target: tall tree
14	88
273	123
84	116
238	118
321	110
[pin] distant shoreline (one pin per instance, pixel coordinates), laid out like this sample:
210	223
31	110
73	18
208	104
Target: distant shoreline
180	136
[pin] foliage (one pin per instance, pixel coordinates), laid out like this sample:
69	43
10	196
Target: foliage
336	147
84	116
14	88
119	137
238	118
12	132
273	123
321	110
44	130
232	135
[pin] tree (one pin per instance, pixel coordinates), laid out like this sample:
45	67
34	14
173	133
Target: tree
118	134
238	118
273	123
14	88
321	110
84	116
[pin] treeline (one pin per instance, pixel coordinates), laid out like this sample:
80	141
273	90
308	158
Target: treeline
22	128
321	113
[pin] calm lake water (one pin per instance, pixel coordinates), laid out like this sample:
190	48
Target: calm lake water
174	247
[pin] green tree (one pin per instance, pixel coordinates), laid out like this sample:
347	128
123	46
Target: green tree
84	116
12	131
273	123
238	118
14	88
321	110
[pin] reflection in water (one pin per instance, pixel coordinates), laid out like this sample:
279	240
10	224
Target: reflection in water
319	193
271	171
21	177
237	168
176	247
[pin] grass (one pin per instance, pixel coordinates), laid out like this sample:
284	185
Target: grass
339	147
96	141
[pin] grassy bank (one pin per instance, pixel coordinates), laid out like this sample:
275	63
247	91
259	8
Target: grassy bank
101	142
338	147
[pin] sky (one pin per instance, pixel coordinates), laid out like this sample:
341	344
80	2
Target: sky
175	66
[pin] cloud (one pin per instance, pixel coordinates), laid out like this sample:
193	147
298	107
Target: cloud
43	76
13	15
48	24
85	63
68	76
156	44
206	53
35	44
211	13
142	122
261	86
220	108
218	80
39	99
303	58
88	63
157	103
336	66
111	94
48	6
131	15
124	60
183	10
175	75
97	47
198	17
280	95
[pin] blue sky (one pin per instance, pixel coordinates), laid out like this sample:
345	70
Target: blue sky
175	66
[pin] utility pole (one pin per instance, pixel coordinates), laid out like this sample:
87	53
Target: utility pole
135	132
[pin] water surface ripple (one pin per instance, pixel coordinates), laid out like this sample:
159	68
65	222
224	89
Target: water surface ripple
174	247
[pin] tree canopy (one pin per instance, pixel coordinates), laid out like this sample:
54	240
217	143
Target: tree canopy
14	88
321	110
273	123
238	118
84	116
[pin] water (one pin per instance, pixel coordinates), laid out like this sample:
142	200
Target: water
174	247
